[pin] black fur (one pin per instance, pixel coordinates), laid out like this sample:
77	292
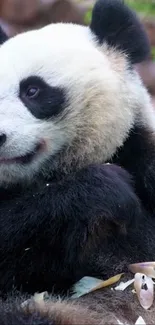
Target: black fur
39	226
3	36
124	31
100	307
11	313
138	157
18	317
92	222
48	102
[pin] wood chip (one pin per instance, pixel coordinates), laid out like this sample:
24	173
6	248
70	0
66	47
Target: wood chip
140	321
123	285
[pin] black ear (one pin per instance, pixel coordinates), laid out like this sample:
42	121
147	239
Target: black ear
115	23
3	36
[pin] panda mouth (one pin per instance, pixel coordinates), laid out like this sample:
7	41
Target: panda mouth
25	159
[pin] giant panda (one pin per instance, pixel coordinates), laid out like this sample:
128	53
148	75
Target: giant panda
3	36
77	166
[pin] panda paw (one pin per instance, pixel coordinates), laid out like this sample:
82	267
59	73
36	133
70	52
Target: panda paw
110	193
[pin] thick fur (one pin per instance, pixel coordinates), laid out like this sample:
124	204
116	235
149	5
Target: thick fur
65	213
103	307
66	216
134	157
3	36
122	31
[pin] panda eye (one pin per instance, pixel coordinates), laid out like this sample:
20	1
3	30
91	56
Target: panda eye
42	99
32	92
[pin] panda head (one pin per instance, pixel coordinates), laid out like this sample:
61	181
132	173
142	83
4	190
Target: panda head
68	93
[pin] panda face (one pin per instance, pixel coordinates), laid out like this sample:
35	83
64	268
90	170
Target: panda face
62	95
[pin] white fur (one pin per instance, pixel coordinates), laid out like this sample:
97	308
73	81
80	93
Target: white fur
104	98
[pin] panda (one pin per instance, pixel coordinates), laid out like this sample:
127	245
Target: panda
3	36
77	167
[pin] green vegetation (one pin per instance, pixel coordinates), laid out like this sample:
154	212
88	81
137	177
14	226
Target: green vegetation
142	6
153	53
87	19
145	7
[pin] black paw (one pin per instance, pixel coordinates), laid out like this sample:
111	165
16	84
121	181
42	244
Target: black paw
107	190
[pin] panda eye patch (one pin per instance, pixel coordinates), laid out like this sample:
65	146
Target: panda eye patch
41	99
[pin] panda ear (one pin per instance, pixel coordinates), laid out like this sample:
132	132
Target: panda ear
114	23
3	36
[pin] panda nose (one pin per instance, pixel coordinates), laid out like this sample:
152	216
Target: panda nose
2	139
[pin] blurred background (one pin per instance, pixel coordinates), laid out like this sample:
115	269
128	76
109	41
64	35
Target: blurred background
17	16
